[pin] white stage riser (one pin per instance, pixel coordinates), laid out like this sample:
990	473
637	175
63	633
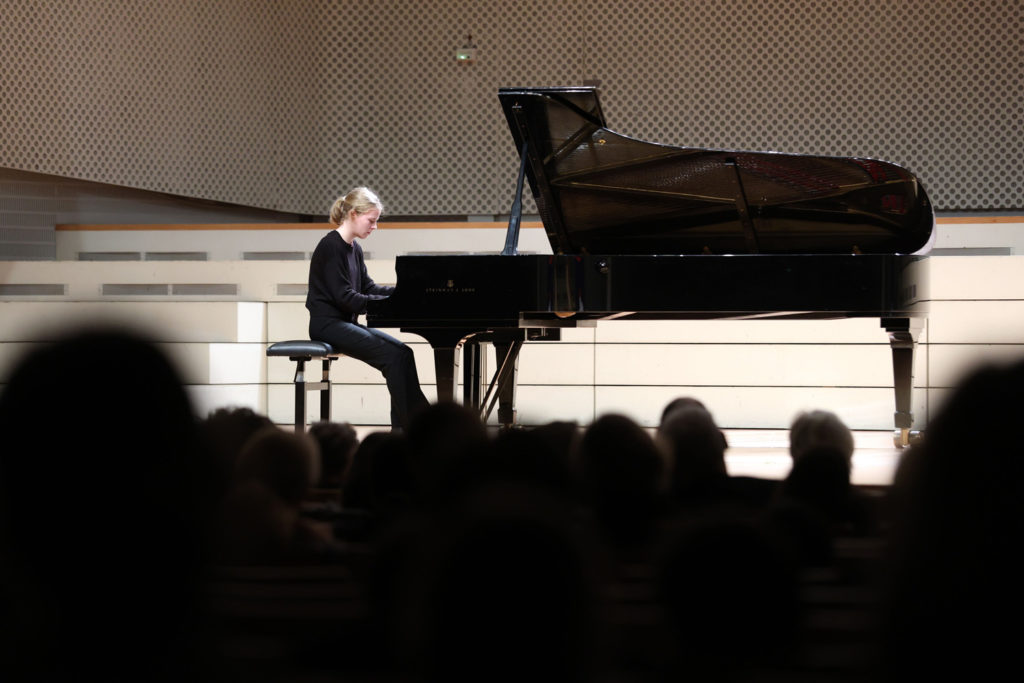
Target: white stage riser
753	374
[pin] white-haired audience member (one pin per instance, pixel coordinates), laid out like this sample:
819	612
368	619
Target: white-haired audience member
817	428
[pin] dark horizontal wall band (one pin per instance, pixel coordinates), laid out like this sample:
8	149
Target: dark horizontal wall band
109	256
134	290
273	256
177	256
218	289
32	290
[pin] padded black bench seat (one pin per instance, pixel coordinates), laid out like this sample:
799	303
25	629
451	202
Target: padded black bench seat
300	351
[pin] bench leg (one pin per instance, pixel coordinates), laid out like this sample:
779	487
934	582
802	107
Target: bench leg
325	390
300	395
302	387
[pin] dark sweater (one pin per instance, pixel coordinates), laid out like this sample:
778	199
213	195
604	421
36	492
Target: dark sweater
339	286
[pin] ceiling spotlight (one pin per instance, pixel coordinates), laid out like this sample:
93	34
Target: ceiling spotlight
467	53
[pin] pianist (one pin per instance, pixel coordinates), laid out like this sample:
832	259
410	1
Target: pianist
339	288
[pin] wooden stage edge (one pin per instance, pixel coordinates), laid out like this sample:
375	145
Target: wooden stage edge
384	225
411	225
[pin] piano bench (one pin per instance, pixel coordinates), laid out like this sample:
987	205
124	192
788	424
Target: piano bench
301	351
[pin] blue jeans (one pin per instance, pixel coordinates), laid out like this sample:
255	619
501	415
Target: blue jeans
382	351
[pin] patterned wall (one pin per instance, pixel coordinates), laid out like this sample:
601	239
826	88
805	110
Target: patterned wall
282	103
204	99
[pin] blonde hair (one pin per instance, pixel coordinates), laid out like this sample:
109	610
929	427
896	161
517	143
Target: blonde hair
359	199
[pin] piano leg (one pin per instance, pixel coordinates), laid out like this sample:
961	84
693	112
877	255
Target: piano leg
446	364
447	345
902	340
474	363
502	387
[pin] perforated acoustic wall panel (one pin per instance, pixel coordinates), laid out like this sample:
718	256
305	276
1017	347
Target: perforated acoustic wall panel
281	104
202	99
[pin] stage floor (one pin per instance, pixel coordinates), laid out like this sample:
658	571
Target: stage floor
765	453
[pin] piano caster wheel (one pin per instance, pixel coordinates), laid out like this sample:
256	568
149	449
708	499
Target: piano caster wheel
902	438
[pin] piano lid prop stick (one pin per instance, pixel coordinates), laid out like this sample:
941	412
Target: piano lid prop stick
743	209
566	283
512	234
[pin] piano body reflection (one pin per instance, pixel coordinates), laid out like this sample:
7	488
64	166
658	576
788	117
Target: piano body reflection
641	230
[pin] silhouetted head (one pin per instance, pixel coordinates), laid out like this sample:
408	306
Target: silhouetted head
677	403
104	508
104	427
561	435
225	431
444	439
338	442
287	463
817	428
697	449
621	478
618	460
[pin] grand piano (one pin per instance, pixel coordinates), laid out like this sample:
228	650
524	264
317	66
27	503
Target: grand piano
641	230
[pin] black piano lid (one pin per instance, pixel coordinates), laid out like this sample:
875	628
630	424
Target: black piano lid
601	192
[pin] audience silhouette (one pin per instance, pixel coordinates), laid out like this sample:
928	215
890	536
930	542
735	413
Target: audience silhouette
501	590
621	475
337	443
105	499
810	430
446	444
262	520
224	431
700	481
813	503
377	489
697	450
730	591
816	502
953	589
578	553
